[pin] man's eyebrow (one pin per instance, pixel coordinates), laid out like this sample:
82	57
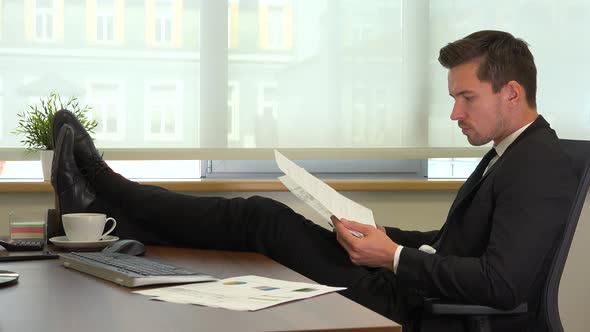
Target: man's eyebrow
462	92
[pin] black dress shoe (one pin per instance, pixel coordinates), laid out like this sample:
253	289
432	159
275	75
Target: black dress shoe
73	192
87	158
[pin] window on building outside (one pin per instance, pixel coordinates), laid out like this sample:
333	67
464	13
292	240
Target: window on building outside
276	27
44	20
163	23
107	101
163	120
105	21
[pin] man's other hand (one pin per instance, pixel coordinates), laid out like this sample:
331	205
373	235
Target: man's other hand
374	249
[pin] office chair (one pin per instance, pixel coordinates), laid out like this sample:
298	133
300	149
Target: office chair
478	317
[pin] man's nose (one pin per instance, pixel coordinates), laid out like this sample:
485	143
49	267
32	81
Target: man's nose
457	113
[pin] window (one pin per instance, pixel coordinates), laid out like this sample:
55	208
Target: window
381	105
233	110
153	170
163	117
359	114
340	75
360	32
451	168
275	24
44	20
107	100
18	170
276	27
351	169
105	21
163	23
267	103
266	125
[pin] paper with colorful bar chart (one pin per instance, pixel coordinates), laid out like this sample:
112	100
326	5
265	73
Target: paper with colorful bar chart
245	293
320	196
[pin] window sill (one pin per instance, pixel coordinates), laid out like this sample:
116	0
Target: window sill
260	185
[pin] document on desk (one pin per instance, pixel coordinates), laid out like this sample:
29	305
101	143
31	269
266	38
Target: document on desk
319	196
245	293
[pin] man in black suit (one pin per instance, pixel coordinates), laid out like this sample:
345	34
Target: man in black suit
493	249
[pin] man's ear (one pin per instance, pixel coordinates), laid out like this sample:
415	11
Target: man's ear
513	93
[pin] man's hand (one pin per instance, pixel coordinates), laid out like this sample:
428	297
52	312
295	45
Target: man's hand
375	249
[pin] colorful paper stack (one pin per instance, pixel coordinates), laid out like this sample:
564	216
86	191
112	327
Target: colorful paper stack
27	229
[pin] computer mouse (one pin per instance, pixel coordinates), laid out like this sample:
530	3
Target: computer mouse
128	246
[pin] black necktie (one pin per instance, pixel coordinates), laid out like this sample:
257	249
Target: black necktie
469	185
483	164
474	178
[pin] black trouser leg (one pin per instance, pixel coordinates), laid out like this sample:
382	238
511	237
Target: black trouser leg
254	224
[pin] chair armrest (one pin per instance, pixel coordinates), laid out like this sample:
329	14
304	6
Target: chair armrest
448	307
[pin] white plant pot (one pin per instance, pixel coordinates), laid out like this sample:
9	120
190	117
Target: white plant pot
46	161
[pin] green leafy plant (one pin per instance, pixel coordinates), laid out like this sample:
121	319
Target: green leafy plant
35	123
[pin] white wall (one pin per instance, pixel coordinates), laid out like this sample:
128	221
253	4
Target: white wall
409	210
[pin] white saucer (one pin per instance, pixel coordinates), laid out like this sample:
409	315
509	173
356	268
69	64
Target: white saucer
63	242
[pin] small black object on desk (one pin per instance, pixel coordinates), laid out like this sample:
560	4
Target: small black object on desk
6	255
8	278
33	244
128	246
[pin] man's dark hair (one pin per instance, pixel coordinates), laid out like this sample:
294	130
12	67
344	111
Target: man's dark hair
502	57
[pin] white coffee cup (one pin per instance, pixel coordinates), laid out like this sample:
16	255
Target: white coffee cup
86	226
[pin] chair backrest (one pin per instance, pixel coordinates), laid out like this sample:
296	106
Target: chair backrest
579	154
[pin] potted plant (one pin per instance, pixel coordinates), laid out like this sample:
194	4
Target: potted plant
35	126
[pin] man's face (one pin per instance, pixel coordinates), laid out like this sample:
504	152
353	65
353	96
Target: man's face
477	110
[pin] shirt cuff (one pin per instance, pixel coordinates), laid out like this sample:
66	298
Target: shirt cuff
398	252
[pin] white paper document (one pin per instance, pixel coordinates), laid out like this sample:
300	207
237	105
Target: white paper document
246	293
318	195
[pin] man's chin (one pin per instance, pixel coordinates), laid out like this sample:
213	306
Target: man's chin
477	141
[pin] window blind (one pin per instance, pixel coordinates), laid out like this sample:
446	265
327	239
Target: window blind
323	79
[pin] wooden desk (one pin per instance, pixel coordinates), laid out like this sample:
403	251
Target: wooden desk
49	297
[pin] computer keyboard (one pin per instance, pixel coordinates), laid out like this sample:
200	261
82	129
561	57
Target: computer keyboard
133	265
128	270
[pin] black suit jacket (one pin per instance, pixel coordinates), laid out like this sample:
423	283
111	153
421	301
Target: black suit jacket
495	246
